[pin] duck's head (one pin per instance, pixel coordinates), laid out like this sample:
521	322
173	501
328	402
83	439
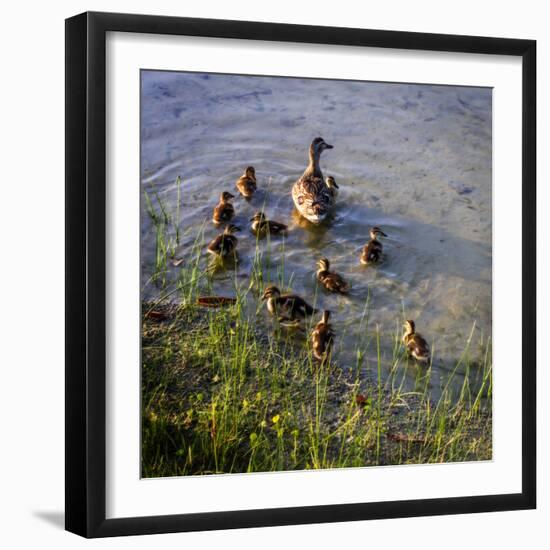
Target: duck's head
230	229
331	183
376	232
250	173
271	292
318	145
323	264
226	196
326	315
258	217
409	326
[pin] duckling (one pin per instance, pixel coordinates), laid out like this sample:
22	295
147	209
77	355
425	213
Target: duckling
224	211
332	186
322	337
224	244
416	346
372	251
311	195
261	225
290	308
246	184
331	281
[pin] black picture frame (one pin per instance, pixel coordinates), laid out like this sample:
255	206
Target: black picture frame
86	278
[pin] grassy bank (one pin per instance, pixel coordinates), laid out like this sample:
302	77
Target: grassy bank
221	395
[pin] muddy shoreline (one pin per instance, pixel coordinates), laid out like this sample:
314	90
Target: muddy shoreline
293	407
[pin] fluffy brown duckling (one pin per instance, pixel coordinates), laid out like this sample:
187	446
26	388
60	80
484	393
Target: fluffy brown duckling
330	280
416	346
225	244
246	184
261	225
332	186
289	308
372	252
224	211
322	337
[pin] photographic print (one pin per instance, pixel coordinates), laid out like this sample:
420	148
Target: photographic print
316	273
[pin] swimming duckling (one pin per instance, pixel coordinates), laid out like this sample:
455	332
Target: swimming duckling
372	251
224	244
246	184
261	225
416	346
224	211
332	186
289	308
311	195
322	337
331	281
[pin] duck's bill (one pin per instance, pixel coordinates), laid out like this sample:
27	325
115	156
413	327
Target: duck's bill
327	146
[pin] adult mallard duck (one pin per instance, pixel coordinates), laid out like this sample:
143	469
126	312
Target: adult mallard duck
246	184
322	337
372	251
224	211
311	195
225	244
330	280
261	225
289	308
416	346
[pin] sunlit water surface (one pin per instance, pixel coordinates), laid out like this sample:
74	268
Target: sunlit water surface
412	159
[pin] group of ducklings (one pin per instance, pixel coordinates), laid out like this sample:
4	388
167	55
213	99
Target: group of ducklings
314	198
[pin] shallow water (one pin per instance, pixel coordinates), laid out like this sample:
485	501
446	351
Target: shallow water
412	159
